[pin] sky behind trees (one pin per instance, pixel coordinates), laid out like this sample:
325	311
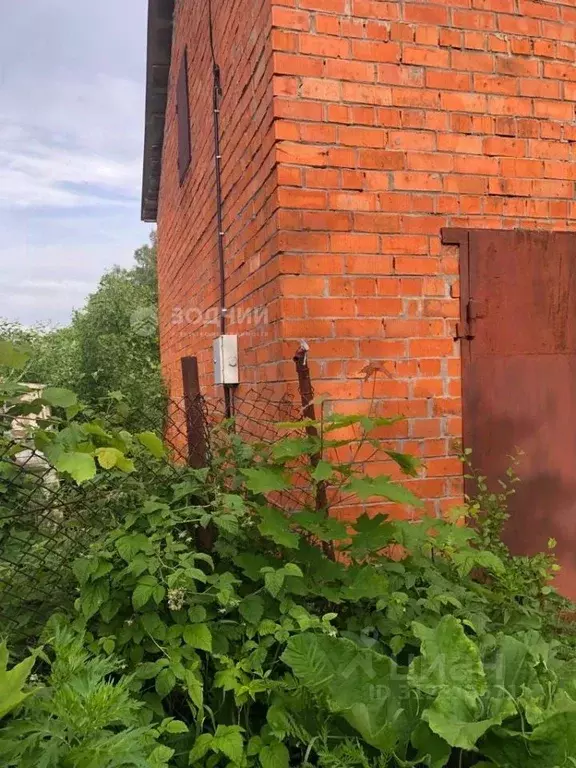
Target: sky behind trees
71	134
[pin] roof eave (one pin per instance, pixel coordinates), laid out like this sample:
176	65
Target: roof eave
160	23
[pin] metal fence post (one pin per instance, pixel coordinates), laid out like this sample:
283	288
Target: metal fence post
309	412
195	426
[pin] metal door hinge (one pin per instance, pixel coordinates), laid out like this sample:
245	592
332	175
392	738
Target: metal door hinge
466	328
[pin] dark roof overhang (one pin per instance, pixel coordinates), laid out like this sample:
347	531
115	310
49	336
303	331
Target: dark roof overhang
160	21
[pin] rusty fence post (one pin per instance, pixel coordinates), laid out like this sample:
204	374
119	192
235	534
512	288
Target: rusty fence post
195	427
196	431
309	412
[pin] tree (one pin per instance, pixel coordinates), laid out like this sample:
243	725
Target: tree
111	344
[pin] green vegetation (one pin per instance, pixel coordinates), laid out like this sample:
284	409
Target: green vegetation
212	627
110	346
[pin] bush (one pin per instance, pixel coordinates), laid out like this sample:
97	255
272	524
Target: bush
275	634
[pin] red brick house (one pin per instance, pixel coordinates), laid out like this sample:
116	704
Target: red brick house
320	169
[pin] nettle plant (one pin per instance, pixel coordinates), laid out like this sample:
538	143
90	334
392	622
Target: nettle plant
283	636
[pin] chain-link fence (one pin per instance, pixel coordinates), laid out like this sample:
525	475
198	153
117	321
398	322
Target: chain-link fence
47	520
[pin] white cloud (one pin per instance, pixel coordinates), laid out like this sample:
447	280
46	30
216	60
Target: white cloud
71	135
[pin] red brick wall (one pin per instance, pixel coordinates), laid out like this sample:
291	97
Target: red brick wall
352	132
187	227
395	119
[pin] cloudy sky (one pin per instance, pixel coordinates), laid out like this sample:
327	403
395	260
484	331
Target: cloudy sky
71	134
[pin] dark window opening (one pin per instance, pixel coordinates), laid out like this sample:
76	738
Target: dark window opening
183	115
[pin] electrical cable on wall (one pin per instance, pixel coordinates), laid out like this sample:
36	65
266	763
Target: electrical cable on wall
217	94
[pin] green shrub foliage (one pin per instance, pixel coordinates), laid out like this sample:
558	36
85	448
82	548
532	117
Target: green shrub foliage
255	632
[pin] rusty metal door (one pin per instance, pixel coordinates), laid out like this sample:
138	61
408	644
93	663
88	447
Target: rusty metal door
518	329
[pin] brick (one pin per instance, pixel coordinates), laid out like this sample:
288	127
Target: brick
375	222
412	265
320	45
454	81
302	286
426	57
450	38
503	146
366	94
422	348
464	102
360	264
496	84
354	243
375	30
475	40
290	18
518	67
472	61
473	19
300	198
380	159
340	69
322	89
426	14
353	201
290	64
327	25
417	181
318	133
375	51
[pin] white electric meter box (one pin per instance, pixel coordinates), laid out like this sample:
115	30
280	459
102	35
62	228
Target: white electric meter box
226	360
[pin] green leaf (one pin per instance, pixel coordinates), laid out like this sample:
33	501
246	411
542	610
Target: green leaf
274	755
294	447
83	568
455	717
144	591
152	443
198	636
372	534
176	726
160	757
449	659
467	560
407	463
275	526
323	528
366	487
165	682
201	747
554	741
251	609
322	471
228	740
366	688
61	398
365	583
12	681
130	545
432	750
108	457
80	466
274	581
149	669
11	356
195	689
93	596
265	479
197	614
